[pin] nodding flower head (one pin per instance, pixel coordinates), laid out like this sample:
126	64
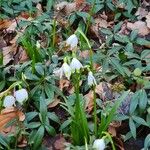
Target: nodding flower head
72	41
66	70
75	65
9	101
21	95
38	45
99	144
91	79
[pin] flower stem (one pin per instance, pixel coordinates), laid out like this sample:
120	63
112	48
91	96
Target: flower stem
91	60
54	32
95	114
89	18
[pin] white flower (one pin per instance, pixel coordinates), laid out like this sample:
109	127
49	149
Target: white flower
75	65
66	70
99	144
72	41
38	45
91	79
21	95
9	101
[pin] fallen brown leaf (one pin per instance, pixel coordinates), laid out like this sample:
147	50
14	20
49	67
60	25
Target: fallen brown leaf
54	103
148	20
89	101
141	13
7	115
140	26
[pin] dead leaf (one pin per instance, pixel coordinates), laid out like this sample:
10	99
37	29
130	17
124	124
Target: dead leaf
112	129
141	13
8	53
59	143
89	101
104	91
54	103
7	115
140	26
63	84
4	24
79	3
84	54
148	20
66	7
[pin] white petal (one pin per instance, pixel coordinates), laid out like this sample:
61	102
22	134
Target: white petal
21	95
38	45
75	65
66	70
99	144
9	101
91	79
72	41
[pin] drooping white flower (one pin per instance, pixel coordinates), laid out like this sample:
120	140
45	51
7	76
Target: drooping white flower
99	144
72	41
9	101
75	65
38	45
91	79
66	70
21	95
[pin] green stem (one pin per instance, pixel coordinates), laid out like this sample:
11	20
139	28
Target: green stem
54	32
91	60
89	18
95	114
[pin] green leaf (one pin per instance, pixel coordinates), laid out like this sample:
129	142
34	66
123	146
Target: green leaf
4	142
2	85
72	18
39	69
106	31
33	125
118	26
53	117
121	117
31	115
143	99
43	109
145	53
139	120
49	92
134	102
129	47
132	127
49	5
50	130
147	142
115	63
38	138
65	124
133	35
142	41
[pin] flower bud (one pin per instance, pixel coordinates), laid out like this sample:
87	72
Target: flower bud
91	79
72	41
9	101
21	95
38	45
75	65
99	144
66	70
